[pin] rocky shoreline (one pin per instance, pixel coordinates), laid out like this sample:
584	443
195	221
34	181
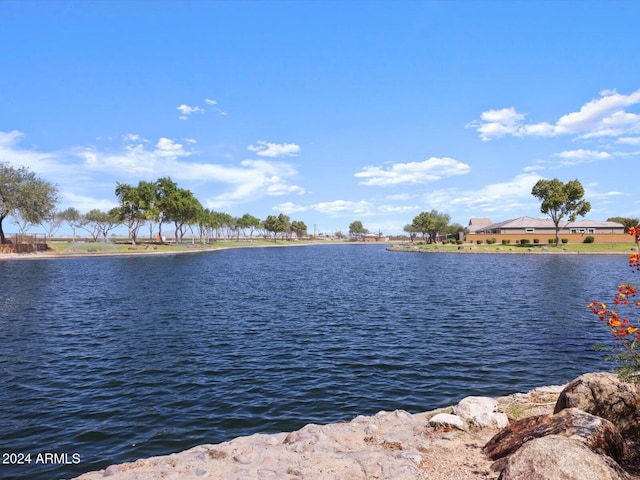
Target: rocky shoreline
443	444
587	429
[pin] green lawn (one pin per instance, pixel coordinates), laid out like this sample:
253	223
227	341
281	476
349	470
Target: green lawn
89	247
566	247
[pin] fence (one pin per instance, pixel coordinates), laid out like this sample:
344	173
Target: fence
21	243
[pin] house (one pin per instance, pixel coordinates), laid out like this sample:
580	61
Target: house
544	229
545	226
476	223
372	238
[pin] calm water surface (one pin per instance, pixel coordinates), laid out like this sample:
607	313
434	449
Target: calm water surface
126	357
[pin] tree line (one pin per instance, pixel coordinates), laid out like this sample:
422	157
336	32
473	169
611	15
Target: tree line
31	201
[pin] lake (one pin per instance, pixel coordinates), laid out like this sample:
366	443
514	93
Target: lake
117	358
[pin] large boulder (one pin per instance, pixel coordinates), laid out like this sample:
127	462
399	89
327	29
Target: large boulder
597	434
481	411
556	457
604	395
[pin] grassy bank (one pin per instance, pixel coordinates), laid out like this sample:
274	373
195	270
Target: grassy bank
594	248
64	248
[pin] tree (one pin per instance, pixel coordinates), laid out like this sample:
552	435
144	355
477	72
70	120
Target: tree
285	221
73	218
52	223
25	195
250	222
560	200
183	209
98	222
164	188
431	224
299	228
411	230
356	230
276	225
132	210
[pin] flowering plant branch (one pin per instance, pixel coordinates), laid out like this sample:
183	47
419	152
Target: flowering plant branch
622	328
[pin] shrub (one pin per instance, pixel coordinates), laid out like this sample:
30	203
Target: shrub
506	241
524	241
552	241
491	241
564	240
459	242
589	239
536	240
479	242
622	322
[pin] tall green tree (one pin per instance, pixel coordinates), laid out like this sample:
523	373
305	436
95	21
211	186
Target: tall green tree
133	208
183	209
250	222
25	195
431	224
357	230
97	222
73	218
164	188
277	225
52	224
561	200
299	228
411	230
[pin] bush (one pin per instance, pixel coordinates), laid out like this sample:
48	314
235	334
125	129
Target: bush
564	240
506	241
459	242
524	241
552	241
479	242
589	239
491	241
536	240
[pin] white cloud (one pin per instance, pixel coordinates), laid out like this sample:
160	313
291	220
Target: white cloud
186	110
413	172
629	140
8	139
273	150
581	154
604	116
342	208
168	148
42	163
208	101
513	195
132	137
398	209
289	208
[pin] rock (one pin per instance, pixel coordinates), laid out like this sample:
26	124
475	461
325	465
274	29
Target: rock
481	411
605	395
598	434
560	458
447	420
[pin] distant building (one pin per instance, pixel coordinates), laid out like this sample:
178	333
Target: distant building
544	226
476	223
372	238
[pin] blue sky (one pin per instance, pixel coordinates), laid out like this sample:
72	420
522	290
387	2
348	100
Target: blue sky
327	111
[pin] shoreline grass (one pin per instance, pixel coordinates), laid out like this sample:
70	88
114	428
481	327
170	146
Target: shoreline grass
577	248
